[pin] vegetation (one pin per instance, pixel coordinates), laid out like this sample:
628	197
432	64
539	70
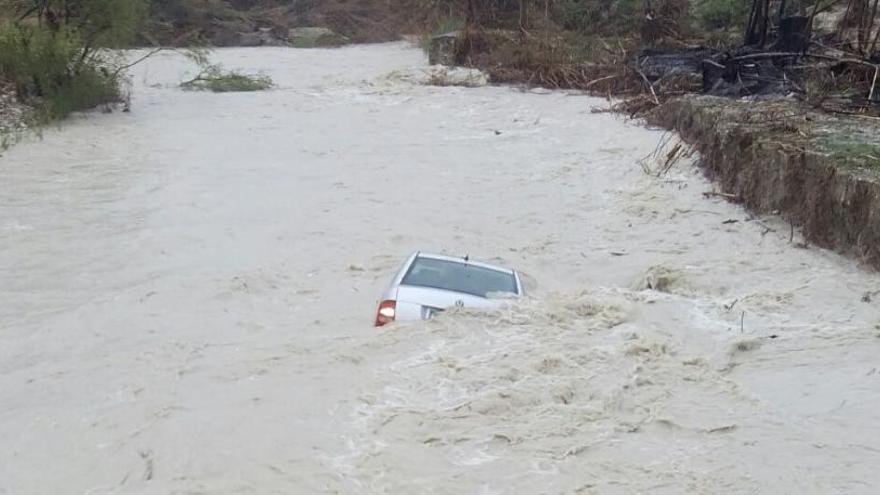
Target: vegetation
50	51
218	81
851	151
54	52
729	47
48	71
213	77
721	14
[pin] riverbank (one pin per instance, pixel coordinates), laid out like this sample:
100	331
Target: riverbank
819	171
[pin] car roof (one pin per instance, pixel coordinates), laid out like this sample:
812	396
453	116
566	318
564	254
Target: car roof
434	256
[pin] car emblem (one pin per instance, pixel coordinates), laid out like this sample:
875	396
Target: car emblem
459	304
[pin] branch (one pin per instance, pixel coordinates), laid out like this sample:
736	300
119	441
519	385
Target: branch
650	86
857	61
132	64
873	85
199	77
29	13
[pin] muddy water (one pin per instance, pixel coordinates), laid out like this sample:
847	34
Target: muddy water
187	292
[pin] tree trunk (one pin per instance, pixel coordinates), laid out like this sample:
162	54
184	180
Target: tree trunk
523	16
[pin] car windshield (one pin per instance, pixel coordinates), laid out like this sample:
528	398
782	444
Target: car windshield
458	277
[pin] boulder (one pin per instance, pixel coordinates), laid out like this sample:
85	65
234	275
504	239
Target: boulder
443	48
311	37
227	32
260	37
249	39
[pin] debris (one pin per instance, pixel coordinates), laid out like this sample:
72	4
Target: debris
721	429
710	194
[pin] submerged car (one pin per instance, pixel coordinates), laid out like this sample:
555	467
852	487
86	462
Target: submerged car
430	283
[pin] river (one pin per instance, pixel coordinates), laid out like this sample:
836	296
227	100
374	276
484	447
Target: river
188	291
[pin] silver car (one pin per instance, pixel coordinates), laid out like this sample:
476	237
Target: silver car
430	283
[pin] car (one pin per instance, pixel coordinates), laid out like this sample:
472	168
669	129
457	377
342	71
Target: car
427	284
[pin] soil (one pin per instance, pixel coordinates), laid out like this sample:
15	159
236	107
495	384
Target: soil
821	172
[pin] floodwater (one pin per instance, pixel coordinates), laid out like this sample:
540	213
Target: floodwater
188	290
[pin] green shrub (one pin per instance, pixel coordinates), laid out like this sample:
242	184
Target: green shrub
598	16
213	77
721	14
51	73
445	25
449	25
576	15
228	82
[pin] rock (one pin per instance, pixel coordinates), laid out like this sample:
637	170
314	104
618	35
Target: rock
225	38
260	37
229	33
442	49
249	39
270	39
311	37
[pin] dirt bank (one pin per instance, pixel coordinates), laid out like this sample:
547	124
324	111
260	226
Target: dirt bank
821	172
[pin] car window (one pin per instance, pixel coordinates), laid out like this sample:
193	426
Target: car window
458	277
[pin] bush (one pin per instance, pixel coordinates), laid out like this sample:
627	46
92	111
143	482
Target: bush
598	16
50	72
444	26
576	15
213	77
227	82
449	25
722	14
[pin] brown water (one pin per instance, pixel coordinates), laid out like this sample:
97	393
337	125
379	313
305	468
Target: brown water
187	293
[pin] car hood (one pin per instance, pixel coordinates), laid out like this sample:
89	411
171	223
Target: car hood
442	299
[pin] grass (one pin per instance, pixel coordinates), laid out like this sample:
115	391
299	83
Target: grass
857	153
849	147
